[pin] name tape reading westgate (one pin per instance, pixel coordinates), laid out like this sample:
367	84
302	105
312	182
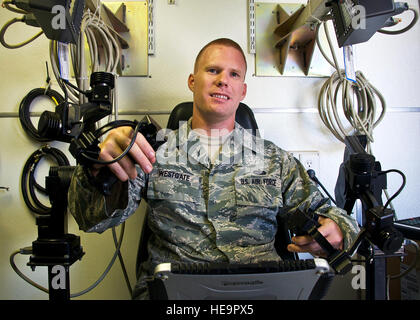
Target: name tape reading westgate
174	175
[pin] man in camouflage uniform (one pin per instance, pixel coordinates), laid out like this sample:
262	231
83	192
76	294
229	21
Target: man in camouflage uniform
206	205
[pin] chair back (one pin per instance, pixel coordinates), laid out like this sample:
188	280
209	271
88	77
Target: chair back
183	111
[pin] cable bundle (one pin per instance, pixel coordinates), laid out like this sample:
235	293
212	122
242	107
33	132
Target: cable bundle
97	34
359	99
9	6
25	105
361	114
29	185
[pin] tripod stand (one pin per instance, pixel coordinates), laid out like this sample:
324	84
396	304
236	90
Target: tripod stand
365	180
54	247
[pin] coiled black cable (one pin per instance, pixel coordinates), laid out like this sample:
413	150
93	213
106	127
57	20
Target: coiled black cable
399	189
28	183
25	105
112	125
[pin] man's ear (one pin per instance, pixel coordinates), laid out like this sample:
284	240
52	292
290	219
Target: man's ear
191	82
244	90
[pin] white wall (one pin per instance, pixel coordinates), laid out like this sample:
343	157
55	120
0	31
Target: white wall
390	63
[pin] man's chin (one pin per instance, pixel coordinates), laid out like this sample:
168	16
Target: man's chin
216	115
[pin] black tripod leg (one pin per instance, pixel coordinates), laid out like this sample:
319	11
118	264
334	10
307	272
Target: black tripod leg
376	279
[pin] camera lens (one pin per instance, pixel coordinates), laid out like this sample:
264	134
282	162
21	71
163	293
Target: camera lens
390	240
49	125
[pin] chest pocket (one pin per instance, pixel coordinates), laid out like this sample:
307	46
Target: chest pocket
257	191
173	185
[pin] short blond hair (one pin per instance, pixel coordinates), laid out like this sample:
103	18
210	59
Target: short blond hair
224	42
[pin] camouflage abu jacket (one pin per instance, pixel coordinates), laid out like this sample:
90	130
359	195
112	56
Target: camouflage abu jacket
214	212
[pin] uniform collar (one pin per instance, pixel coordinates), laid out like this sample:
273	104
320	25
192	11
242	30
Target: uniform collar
236	147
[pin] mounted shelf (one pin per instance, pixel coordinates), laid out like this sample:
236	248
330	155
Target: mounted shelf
285	42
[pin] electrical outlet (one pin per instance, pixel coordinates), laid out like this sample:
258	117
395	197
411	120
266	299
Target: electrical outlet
309	159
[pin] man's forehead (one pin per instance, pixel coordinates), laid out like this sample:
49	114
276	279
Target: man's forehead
213	52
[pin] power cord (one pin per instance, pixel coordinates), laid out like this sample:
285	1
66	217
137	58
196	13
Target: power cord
24	251
8	5
311	173
120	258
28	251
408	27
9	23
399	189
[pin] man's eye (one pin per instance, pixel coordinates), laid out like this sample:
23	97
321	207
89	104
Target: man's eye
235	74
212	70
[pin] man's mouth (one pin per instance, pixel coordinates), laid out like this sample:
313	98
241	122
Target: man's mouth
219	96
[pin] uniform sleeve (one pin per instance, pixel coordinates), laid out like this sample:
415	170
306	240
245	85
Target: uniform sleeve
95	212
300	192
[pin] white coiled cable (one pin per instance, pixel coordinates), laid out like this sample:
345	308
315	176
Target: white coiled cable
96	34
358	101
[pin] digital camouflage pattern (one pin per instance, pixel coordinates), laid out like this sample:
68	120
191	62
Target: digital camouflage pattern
210	212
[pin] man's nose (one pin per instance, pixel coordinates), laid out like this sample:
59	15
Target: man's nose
222	80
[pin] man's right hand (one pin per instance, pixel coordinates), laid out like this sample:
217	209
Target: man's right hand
115	143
